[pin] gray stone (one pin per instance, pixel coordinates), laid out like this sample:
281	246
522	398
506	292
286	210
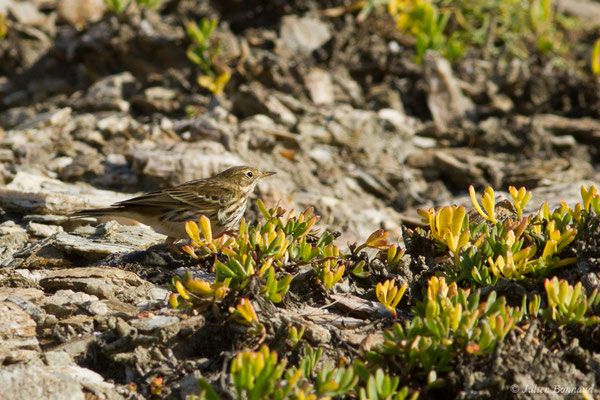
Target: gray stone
167	166
156	322
42	230
445	99
65	302
78	12
319	85
12	236
31	193
23	293
106	94
103	282
55	118
302	35
53	383
26	13
18	339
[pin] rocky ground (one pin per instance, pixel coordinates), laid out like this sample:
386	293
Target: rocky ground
95	108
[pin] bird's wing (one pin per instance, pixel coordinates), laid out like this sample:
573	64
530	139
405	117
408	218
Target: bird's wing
153	199
206	198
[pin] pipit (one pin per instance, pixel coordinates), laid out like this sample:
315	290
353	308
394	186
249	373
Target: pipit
222	198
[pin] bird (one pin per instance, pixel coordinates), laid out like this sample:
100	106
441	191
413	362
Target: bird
222	198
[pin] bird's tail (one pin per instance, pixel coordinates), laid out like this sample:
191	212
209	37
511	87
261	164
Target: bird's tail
96	212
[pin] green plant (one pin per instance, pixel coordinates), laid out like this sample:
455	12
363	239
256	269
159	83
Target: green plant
256	374
381	386
203	53
521	248
446	321
4	25
260	250
568	305
151	4
449	227
207	392
117	6
511	28
595	62
335	381
423	20
294	335
389	294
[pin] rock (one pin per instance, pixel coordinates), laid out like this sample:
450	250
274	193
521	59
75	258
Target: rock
31	193
254	99
319	86
119	125
18	339
360	307
302	35
57	358
15	115
181	162
14	99
583	129
463	167
12	235
157	99
33	310
42	230
106	94
329	320
80	12
569	192
53	383
156	322
56	118
77	346
584	9
26	13
398	121
22	293
346	89
63	303
445	100
52	221
31	46
82	168
102	281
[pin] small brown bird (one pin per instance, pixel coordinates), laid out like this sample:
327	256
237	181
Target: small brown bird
222	198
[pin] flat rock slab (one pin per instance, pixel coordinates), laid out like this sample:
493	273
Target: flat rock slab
30	193
24	293
54	383
18	339
116	239
103	282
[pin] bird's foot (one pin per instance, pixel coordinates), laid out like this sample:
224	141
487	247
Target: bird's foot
170	242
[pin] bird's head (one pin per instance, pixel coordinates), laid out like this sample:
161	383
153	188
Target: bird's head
244	177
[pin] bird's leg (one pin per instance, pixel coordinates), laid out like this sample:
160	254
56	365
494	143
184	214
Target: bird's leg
169	242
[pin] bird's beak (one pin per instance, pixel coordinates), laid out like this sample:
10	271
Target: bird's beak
265	174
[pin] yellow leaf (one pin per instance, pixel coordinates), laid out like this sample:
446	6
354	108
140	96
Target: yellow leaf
173	300
596	58
205	228
181	290
192	230
199	286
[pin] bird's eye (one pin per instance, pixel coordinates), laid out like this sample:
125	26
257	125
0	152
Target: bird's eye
249	174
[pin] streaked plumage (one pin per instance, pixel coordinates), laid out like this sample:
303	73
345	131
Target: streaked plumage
222	198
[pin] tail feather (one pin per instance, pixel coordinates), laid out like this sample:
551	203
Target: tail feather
96	212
